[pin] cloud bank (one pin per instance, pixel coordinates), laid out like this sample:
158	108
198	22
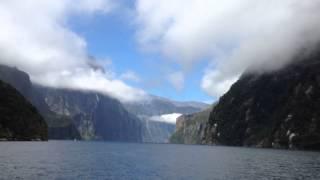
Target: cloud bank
167	118
236	35
35	37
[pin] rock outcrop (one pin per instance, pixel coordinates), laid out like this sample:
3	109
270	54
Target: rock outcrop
278	109
190	128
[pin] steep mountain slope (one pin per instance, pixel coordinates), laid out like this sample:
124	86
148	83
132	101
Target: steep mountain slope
59	127
19	119
155	131
95	116
72	114
190	128
276	109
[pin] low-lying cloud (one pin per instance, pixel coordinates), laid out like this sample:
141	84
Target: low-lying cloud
35	37
234	34
167	118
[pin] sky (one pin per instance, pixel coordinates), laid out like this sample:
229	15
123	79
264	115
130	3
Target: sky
113	37
187	50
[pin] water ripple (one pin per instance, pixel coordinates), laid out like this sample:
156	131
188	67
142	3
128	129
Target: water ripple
60	160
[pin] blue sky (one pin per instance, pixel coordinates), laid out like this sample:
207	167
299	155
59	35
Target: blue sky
182	50
113	37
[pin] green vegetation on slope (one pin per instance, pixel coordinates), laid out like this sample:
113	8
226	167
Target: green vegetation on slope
59	127
19	119
277	109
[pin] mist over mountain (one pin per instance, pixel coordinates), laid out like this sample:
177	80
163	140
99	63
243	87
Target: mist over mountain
160	89
78	114
159	114
197	50
59	127
231	35
51	52
72	114
155	105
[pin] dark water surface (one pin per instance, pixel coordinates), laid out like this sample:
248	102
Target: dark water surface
102	160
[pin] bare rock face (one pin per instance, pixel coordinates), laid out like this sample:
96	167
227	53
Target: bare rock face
278	109
190	128
181	122
95	116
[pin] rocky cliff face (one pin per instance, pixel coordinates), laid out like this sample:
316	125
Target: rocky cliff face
95	116
279	109
19	119
59	127
190	128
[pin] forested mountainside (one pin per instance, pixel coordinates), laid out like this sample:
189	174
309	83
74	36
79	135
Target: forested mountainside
19	119
278	109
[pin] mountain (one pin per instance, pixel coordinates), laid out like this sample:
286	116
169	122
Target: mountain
72	114
59	127
190	128
19	119
153	107
96	116
279	109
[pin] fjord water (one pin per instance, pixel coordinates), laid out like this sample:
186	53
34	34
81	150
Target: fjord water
105	160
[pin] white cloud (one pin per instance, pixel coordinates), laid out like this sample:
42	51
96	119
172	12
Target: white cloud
34	37
130	76
215	83
234	34
168	118
93	6
177	80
